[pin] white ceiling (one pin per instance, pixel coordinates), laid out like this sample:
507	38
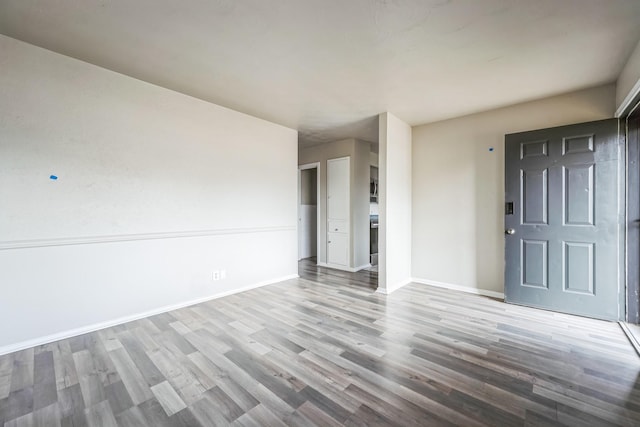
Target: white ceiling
328	67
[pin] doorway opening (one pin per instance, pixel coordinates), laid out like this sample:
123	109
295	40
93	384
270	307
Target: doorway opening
343	211
308	211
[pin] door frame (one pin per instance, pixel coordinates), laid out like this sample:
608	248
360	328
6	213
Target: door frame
307	166
631	272
632	215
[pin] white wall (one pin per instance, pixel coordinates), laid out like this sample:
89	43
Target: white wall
629	79
358	151
395	202
155	190
458	186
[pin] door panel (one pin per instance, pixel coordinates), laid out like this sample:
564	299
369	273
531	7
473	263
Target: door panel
338	188
564	253
579	267
338	248
535	263
535	188
579	189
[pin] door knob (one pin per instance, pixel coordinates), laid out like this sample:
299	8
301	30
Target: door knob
510	231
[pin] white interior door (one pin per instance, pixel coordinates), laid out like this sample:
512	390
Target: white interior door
338	211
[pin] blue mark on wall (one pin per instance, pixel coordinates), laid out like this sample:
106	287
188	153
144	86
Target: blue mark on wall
53	177
490	148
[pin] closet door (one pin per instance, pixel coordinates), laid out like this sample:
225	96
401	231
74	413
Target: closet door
338	249
338	209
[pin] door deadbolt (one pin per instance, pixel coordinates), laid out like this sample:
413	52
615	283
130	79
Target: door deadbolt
509	231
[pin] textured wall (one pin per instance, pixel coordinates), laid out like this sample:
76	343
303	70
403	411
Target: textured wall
155	190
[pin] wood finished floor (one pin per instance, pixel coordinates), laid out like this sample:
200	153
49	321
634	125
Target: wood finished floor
326	350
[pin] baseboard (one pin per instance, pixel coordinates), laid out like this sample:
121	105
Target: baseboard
362	267
103	325
390	289
476	291
342	268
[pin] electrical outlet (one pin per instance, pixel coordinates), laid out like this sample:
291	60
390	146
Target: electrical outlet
223	274
216	275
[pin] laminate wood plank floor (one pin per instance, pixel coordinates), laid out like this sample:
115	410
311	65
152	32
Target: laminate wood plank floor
326	350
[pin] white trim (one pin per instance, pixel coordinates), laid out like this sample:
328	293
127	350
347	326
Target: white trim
342	267
309	166
476	291
125	319
85	240
628	100
390	289
362	267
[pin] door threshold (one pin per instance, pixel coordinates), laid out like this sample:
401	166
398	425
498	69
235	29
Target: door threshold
633	334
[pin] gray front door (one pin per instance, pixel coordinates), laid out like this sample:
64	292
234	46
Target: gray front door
562	219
